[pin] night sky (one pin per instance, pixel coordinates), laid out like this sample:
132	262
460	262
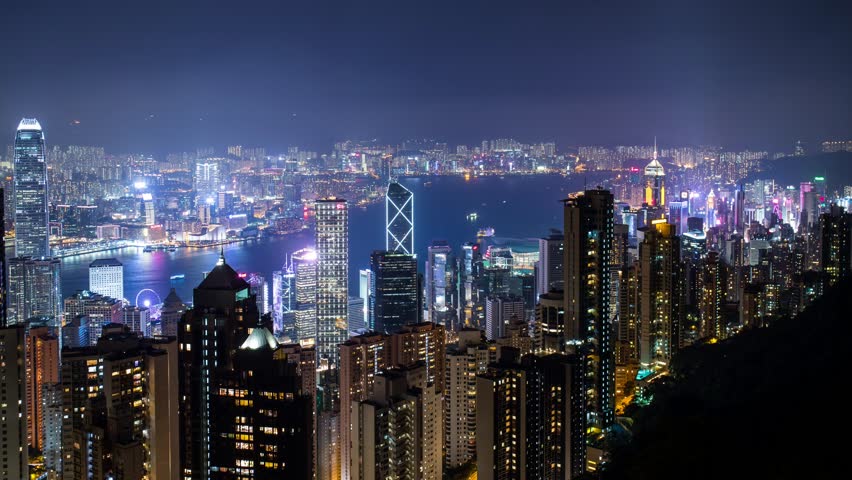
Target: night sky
171	76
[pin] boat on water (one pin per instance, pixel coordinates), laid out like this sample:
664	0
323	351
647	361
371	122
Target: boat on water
172	248
472	217
179	276
148	249
485	232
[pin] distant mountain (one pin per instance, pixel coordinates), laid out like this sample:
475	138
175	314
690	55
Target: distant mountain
767	403
835	167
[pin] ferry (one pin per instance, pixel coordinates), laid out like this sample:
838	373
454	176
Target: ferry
485	232
172	248
179	276
148	249
472	217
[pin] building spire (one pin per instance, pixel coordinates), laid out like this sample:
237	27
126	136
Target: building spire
221	256
655	147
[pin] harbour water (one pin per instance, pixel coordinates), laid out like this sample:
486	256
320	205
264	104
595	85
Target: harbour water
515	206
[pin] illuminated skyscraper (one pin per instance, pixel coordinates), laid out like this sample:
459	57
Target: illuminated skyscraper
439	273
588	321
304	264
42	372
207	179
531	418
712	297
655	182
499	311
264	426
466	359
394	292
836	252
223	315
171	313
4	268
332	244
361	358
14	453
550	257
661	294
399	219
31	220
397	432
106	276
34	289
120	408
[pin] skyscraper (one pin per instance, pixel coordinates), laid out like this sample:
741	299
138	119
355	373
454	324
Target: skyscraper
304	264
466	359
14	454
223	314
394	292
661	292
120	408
499	311
550	257
42	372
264	415
31	220
207	179
332	244
531	418
439	269
399	219
4	269
361	358
34	289
655	182
397	431
106	276
836	251
712	297
171	313
588	321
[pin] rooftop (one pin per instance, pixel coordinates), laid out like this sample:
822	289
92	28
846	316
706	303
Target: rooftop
29	124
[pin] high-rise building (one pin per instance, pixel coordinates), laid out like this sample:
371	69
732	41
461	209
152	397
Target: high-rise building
120	408
332	244
42	372
399	219
395	291
550	322
531	418
32	237
836	251
422	342
661	294
264	425
75	332
149	216
171	313
355	316
33	289
439	275
397	432
499	311
14	454
4	297
588	321
259	287
712	297
284	300
207	179
106	276
467	358
98	309
361	358
550	257
655	182
224	313
137	319
305	276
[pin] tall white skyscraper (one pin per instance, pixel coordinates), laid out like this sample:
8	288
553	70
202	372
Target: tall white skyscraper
499	310
207	179
106	276
438	282
332	244
399	219
305	278
31	220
